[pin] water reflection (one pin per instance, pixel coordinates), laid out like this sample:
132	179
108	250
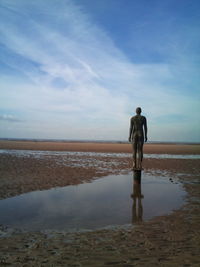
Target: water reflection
137	196
102	203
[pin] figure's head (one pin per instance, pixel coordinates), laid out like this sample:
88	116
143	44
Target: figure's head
138	110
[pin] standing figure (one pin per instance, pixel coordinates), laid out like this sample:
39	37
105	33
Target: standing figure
137	136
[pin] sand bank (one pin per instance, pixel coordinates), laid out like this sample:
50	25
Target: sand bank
29	172
100	147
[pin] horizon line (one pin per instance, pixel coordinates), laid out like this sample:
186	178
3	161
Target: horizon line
91	140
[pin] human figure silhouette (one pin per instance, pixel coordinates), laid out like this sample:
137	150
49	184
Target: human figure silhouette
137	136
137	209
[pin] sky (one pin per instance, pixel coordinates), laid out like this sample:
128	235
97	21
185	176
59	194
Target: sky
78	69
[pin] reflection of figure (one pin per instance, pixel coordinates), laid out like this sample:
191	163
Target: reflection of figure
137	137
137	210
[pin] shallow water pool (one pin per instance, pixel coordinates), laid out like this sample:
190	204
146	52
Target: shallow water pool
114	200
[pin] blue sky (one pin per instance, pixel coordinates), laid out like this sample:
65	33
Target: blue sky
77	69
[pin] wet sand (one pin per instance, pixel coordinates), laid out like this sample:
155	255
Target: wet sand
101	147
21	174
169	240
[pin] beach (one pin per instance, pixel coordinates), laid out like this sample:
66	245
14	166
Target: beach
168	240
100	147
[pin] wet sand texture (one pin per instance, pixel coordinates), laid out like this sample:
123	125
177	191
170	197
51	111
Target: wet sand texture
24	174
100	147
170	240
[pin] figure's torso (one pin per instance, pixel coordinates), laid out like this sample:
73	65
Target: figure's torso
138	122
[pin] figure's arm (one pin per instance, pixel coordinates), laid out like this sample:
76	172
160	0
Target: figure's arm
130	130
145	129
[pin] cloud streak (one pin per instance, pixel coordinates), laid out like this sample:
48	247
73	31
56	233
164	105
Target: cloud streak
9	118
74	76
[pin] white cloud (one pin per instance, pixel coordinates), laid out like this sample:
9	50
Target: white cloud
9	118
100	87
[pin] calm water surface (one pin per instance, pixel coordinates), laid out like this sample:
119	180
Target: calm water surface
111	201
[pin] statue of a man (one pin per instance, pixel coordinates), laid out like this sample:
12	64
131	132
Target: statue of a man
137	136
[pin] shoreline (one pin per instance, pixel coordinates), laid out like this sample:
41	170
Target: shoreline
149	148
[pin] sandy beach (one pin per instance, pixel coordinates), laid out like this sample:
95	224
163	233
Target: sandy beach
100	147
168	240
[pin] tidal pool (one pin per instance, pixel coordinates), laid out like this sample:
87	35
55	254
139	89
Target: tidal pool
115	200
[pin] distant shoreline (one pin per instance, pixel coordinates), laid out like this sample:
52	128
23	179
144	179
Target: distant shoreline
94	141
93	146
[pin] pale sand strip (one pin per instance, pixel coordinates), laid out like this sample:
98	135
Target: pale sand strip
100	147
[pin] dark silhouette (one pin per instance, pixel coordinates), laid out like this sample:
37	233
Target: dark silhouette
137	209
137	135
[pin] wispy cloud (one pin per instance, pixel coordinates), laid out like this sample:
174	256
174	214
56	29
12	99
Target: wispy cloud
9	118
76	75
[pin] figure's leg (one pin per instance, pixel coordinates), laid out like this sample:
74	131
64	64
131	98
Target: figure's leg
140	153
134	145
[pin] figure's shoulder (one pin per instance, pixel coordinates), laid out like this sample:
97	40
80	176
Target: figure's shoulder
133	118
138	118
144	120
